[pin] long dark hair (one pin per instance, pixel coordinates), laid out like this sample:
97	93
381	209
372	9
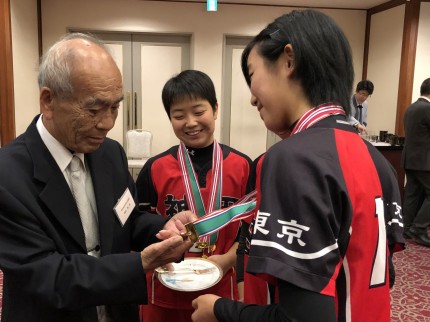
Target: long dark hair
322	55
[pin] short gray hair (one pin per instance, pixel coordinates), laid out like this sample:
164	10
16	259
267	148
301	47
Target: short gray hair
56	65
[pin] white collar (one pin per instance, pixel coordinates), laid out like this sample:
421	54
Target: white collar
58	151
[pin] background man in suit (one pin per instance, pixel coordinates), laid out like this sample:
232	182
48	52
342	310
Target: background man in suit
63	261
416	162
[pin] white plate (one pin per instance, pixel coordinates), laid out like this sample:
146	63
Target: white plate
190	275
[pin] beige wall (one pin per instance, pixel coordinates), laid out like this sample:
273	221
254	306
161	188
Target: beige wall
422	59
25	61
208	30
385	47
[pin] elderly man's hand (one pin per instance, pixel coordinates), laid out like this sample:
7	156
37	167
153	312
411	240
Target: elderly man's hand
177	222
162	253
172	247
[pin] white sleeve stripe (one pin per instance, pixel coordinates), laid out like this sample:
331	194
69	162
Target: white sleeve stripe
291	253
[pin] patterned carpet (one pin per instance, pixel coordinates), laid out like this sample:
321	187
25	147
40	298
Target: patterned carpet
410	296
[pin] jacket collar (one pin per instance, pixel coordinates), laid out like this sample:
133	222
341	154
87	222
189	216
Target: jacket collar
56	194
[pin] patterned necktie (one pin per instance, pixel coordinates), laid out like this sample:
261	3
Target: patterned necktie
88	219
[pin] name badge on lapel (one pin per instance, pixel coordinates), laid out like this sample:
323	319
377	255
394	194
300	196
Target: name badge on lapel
124	206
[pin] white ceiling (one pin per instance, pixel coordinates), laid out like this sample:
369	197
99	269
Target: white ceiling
347	4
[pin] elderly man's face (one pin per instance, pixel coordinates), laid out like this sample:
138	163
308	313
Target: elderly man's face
82	121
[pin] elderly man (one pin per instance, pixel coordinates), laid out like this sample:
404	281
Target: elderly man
73	245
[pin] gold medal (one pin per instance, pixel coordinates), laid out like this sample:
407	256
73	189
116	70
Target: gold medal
202	245
191	233
210	249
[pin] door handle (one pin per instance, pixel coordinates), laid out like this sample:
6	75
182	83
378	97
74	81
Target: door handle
135	110
127	102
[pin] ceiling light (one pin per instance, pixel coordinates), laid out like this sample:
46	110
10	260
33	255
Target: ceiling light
212	5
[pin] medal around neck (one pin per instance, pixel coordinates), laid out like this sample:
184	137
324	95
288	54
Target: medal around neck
190	275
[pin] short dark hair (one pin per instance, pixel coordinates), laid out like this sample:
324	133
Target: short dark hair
425	87
323	60
192	84
365	85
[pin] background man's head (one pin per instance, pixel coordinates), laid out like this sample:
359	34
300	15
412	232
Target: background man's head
363	90
425	88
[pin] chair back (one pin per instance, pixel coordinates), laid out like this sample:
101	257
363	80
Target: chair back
139	144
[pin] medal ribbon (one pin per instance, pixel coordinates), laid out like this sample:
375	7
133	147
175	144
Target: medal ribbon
218	219
192	189
315	115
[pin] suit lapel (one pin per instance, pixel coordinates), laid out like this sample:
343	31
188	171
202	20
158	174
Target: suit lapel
101	173
55	193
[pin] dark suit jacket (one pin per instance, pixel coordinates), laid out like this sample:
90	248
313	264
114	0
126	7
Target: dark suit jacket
416	152
47	274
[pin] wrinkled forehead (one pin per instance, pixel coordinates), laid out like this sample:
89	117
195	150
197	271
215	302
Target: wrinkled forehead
100	74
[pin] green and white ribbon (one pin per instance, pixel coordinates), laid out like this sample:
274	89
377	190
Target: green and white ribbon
192	189
218	219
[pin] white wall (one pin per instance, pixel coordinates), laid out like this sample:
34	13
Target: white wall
385	46
422	58
25	57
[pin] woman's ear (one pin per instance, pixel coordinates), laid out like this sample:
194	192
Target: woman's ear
289	57
216	111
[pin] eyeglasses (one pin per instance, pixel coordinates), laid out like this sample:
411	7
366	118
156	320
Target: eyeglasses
363	94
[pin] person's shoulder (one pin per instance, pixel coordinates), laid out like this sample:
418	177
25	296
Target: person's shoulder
308	144
172	151
110	149
422	102
109	143
169	153
307	136
259	158
18	159
421	105
13	149
227	150
382	165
